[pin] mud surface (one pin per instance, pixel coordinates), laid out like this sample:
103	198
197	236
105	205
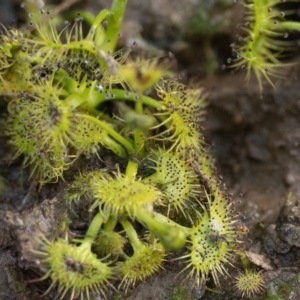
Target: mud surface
255	140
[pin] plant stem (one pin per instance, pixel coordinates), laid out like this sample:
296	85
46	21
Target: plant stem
97	98
131	234
131	169
110	224
245	260
138	133
93	229
171	235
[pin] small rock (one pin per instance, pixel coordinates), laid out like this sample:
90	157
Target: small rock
290	178
290	233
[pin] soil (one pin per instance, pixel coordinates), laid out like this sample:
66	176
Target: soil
255	140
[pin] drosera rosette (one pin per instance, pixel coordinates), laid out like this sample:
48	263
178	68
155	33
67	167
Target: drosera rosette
212	242
265	42
79	79
147	258
249	283
78	95
78	73
74	269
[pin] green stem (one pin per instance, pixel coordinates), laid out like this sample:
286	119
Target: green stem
131	169
90	92
138	133
172	235
110	224
271	291
245	261
93	229
97	98
114	146
123	141
139	142
132	235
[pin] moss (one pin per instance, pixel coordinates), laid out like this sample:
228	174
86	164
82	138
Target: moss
180	293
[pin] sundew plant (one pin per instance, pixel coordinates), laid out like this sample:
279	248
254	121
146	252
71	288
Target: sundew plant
70	95
265	41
